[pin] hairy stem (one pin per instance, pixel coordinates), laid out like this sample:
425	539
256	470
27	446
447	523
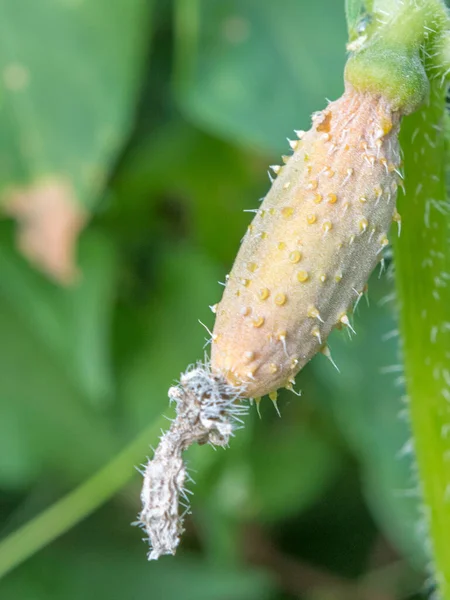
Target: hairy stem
422	260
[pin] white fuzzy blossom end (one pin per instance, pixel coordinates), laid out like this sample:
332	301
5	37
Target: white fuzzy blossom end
208	410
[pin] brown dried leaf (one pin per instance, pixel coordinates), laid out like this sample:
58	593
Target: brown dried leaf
49	220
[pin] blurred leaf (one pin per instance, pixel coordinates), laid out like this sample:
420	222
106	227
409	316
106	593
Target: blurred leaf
207	180
54	362
367	403
291	466
70	575
65	109
72	324
172	337
252	72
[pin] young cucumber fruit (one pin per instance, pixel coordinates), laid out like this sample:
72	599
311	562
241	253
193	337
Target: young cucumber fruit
312	245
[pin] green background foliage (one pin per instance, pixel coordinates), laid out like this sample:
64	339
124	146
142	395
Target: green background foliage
197	98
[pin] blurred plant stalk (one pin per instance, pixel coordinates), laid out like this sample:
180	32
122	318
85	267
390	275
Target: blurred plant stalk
77	505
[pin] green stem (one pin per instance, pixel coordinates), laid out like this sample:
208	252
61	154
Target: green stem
422	260
75	506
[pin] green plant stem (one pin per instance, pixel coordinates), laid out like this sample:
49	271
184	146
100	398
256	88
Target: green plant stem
422	262
75	506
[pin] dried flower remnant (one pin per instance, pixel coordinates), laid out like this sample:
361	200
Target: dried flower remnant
315	240
206	412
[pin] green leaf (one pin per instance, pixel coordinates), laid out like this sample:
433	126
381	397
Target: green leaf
208	187
251	73
72	324
54	361
171	335
65	110
187	577
291	466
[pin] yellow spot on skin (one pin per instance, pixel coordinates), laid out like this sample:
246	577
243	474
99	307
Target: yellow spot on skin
259	322
384	241
378	191
287	185
312	185
245	282
248	356
338	277
323	277
363	225
287	212
263	235
396	217
311	219
363	199
332	198
325	124
295	256
250	228
262	213
344	319
285	158
329	172
327	226
313	313
294	363
263	293
273	368
281	245
273	396
251	266
386	124
318	198
246	311
316	333
302	276
280	299
271	211
391	167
